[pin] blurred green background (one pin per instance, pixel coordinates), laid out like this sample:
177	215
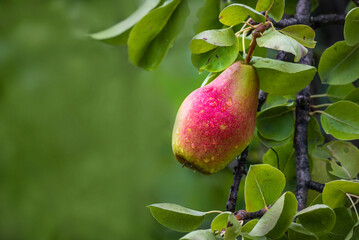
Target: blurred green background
85	137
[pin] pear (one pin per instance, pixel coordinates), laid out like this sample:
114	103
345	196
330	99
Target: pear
216	122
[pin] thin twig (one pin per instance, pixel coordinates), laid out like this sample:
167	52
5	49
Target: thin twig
244	215
238	172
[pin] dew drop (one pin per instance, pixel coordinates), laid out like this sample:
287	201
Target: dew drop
229	102
214	142
206	160
212	124
213	104
193	146
207	89
206	133
187	140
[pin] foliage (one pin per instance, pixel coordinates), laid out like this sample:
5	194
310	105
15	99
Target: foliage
153	29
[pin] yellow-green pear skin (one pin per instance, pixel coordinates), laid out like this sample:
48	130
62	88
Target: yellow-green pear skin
216	122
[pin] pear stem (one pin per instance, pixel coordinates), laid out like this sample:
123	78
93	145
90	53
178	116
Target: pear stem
256	34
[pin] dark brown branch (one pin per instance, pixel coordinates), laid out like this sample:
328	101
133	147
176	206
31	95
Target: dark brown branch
244	215
327	19
300	139
238	172
302	118
314	22
316	186
262	97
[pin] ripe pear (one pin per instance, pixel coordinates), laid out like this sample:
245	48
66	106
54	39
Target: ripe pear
216	122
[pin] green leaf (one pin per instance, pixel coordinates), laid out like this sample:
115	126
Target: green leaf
275	40
118	34
273	101
302	33
263	185
220	222
289	77
210	77
247	228
351	33
276	8
353	96
201	235
334	193
176	217
339	92
286	160
217	59
338	64
233	228
210	39
277	219
344	225
297	232
148	28
315	136
208	16
164	40
341	120
319	219
348	156
235	14
271	143
276	123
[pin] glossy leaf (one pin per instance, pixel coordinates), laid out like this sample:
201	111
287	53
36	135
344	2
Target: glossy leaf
263	185
297	232
210	39
338	64
276	8
343	228
144	33
351	33
339	92
233	228
315	136
220	222
277	219
271	143
285	159
274	100
201	235
118	34
348	156
235	14
164	41
208	16
341	120
176	217
289	77
275	40
247	228
353	96
217	59
334	193
302	33
276	123
319	219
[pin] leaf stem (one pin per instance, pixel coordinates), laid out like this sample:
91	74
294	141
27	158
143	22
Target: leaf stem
322	105
316	111
351	200
318	95
214	211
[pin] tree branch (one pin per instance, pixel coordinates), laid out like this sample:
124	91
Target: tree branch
301	139
302	118
244	215
238	172
316	186
314	22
